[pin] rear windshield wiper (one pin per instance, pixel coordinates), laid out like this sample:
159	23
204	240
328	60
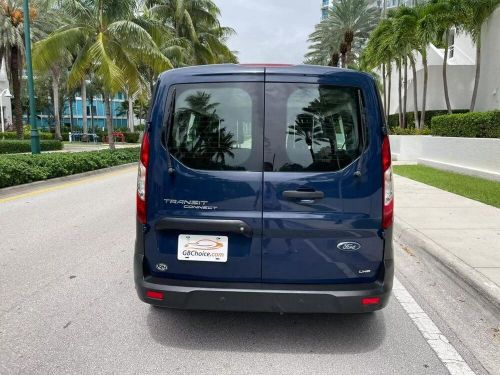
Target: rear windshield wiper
170	122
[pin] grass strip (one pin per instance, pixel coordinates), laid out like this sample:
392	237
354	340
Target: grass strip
479	189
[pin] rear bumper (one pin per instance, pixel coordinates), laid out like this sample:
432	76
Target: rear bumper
289	298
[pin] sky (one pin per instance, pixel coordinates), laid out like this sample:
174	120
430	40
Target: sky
270	31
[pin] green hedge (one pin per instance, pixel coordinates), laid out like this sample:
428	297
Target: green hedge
13	135
393	120
21	169
473	124
131	137
16	146
409	131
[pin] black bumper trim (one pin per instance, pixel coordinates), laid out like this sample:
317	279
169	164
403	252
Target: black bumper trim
289	298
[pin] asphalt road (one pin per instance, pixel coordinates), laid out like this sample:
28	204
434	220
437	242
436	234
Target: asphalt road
68	305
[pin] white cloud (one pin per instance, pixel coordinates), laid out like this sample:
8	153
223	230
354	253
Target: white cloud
270	31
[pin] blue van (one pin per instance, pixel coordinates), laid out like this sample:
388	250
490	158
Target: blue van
265	188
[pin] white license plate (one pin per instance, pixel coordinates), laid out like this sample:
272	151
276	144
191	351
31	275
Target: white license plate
199	248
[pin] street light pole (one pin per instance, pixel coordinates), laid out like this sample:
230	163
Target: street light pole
35	136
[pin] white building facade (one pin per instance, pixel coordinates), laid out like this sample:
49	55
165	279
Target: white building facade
5	99
460	73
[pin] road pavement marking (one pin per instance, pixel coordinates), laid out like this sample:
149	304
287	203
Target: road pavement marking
445	351
67	184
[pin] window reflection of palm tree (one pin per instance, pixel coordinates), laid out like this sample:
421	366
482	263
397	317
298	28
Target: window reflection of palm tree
306	129
201	135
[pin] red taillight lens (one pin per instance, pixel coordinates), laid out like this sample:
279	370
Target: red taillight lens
154	295
141	179
370	301
388	188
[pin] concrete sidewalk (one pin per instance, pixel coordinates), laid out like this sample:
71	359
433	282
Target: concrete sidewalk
461	233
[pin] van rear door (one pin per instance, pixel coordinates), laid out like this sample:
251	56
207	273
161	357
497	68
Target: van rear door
322	200
206	217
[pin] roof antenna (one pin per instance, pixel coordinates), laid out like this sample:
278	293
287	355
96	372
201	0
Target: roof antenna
171	117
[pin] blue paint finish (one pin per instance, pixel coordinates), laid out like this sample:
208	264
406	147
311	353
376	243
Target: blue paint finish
292	242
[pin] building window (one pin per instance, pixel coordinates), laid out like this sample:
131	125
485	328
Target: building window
94	110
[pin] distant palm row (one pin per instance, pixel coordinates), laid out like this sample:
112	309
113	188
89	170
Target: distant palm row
358	36
116	45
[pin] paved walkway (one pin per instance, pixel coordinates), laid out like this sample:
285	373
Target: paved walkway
457	228
81	146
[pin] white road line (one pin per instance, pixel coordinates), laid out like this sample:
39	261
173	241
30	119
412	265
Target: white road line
445	351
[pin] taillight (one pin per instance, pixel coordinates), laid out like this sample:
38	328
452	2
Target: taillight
141	179
388	189
370	301
154	295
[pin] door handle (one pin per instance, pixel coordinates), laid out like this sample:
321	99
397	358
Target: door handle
297	194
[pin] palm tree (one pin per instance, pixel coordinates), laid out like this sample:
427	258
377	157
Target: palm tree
12	50
476	12
345	30
406	41
380	51
192	32
426	33
57	69
446	15
108	40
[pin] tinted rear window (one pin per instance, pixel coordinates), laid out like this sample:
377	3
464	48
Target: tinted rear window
311	127
218	126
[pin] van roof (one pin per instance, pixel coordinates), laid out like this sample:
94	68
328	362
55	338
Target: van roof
280	69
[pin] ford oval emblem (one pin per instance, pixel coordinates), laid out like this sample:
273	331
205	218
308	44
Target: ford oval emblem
348	246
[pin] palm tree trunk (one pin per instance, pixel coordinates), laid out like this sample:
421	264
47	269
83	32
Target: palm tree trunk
400	97
55	98
84	108
130	113
342	61
389	73
405	90
445	78
415	92
15	68
478	73
71	118
109	121
424	94
384	88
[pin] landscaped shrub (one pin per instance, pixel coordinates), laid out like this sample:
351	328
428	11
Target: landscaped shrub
393	120
13	135
131	137
409	131
21	169
473	124
18	146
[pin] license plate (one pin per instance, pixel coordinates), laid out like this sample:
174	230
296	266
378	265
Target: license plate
193	247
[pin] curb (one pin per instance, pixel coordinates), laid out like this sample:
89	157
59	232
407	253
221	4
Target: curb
412	237
19	188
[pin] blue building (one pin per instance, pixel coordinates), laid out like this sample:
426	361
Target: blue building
325	4
96	114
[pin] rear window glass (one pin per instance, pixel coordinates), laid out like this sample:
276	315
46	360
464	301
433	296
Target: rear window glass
312	127
218	126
